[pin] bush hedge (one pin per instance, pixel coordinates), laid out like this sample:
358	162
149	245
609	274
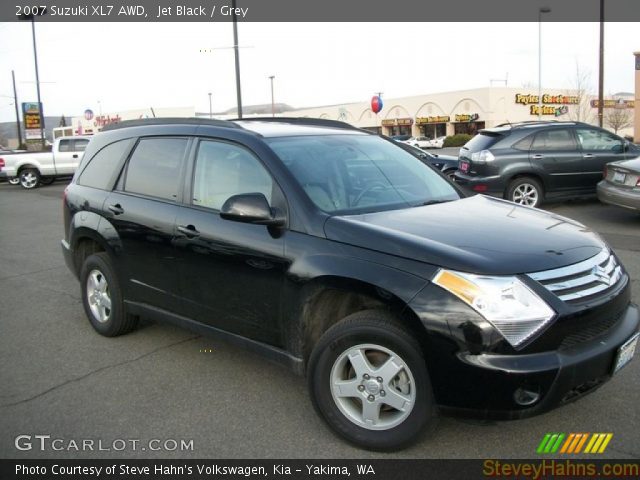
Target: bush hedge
457	140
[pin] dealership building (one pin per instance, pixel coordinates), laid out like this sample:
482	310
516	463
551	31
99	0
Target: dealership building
467	111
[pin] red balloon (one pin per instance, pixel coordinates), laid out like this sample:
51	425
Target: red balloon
376	104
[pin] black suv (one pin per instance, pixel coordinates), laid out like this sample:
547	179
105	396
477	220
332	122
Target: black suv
532	161
339	254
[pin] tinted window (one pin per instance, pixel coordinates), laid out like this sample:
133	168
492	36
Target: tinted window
64	146
155	166
223	170
591	139
100	169
353	173
482	141
560	139
524	144
80	145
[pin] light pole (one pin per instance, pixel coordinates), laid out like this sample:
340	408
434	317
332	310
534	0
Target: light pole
541	10
35	58
237	56
15	102
273	107
601	67
210	108
99	108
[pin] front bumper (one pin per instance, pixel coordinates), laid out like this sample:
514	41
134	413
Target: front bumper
621	197
559	376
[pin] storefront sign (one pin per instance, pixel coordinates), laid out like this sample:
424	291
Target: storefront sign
33	123
466	117
614	103
389	122
104	120
440	119
529	99
405	121
548	110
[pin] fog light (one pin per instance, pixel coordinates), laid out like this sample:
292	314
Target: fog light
525	397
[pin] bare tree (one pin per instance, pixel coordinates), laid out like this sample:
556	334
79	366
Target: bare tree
581	85
618	118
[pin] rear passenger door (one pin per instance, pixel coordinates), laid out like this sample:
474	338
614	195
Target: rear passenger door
142	210
599	147
231	273
556	153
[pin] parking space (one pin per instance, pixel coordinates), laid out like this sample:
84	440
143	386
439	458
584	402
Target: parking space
59	378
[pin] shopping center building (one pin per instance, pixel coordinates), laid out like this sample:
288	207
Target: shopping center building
464	111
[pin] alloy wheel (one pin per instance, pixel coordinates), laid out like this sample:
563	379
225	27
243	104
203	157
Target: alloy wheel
28	180
526	194
98	296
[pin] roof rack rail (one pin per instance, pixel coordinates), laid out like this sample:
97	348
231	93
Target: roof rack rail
318	122
170	121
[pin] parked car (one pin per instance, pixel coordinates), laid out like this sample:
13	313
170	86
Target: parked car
530	162
35	168
418	142
448	164
621	184
335	252
400	138
436	142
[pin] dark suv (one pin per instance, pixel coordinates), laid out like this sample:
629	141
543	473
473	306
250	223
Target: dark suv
532	161
339	254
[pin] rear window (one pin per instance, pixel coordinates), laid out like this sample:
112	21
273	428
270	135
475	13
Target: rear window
482	141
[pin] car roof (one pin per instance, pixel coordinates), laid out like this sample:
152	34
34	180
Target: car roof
532	124
285	129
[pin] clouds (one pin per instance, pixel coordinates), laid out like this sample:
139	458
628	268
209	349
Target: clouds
164	64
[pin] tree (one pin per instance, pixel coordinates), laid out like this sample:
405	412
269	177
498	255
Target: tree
618	118
581	111
63	122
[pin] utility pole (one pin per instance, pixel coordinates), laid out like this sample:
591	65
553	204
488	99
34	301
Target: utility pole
273	107
210	107
15	102
541	10
237	54
35	58
601	67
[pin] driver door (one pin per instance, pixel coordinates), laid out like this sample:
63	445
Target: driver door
231	273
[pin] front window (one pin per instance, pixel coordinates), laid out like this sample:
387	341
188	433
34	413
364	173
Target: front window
358	173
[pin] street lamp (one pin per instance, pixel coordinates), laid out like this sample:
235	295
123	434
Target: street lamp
210	108
99	108
273	108
541	10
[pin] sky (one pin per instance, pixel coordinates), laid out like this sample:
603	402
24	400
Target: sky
119	66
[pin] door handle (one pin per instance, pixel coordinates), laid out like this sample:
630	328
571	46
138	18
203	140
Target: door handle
538	155
117	209
588	155
75	155
189	230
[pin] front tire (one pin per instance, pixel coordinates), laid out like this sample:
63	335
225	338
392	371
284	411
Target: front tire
368	379
14	180
29	178
525	191
102	298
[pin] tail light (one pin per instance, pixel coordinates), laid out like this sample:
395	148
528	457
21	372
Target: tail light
1	163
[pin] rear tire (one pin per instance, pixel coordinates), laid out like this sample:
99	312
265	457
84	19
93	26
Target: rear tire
451	174
13	180
29	178
47	180
102	298
526	191
368	379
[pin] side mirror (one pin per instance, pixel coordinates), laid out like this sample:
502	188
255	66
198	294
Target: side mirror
250	208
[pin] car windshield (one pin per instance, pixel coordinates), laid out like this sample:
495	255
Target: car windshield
360	173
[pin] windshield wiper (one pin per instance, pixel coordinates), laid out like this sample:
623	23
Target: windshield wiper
434	202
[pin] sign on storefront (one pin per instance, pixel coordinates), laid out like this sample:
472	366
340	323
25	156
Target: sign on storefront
467	117
436	119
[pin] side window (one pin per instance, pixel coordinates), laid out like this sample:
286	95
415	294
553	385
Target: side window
557	139
64	146
524	144
100	169
155	166
591	139
80	145
223	170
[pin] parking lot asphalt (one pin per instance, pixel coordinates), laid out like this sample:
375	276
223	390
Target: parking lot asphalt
59	378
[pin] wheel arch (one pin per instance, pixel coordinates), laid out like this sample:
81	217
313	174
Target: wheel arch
525	174
87	236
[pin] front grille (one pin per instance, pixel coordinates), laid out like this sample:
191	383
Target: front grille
582	281
588	333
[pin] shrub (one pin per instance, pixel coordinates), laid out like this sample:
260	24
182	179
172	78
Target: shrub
457	140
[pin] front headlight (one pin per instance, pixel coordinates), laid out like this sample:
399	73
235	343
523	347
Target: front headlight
507	303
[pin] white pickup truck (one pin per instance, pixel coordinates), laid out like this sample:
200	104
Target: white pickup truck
35	168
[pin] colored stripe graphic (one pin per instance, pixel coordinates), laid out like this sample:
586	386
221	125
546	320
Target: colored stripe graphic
573	443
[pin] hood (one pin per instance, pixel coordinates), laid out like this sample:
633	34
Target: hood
478	235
